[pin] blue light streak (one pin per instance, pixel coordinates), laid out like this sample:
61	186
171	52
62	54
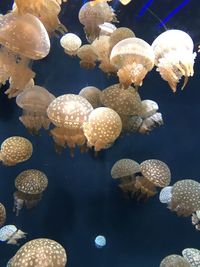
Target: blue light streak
144	8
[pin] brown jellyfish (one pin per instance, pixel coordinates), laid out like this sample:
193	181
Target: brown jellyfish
192	256
174	261
22	37
130	124
88	56
155	173
120	34
46	11
71	43
68	113
14	150
92	94
125	170
124	102
102	128
30	184
174	56
134	58
41	252
34	102
92	15
2	214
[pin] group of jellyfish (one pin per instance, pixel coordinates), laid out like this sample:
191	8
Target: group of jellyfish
93	118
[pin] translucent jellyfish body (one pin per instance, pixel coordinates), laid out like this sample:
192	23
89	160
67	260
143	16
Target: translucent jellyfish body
30	185
15	149
23	37
88	56
46	11
126	170
102	128
192	256
2	214
174	56
92	15
40	252
174	261
34	103
71	43
100	241
11	235
106	29
124	102
134	58
68	113
131	124
92	94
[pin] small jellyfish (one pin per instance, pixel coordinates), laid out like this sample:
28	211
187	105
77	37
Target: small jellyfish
106	29
92	15
149	108
92	94
100	241
192	256
196	219
130	124
30	185
174	261
10	234
34	102
14	150
68	113
124	102
40	252
102	128
88	56
174	56
134	58
71	43
184	197
126	170
2	214
22	38
165	195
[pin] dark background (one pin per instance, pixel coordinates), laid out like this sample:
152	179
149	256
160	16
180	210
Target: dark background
82	200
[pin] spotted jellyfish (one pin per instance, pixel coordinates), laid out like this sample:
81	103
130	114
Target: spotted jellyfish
174	261
2	214
192	256
196	219
71	43
10	234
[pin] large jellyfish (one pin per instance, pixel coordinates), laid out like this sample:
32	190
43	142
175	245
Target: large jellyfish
102	128
134	58
71	43
92	15
46	11
2	214
30	185
41	252
192	256
126	170
183	198
34	102
174	56
68	113
14	150
22	38
92	94
174	261
10	234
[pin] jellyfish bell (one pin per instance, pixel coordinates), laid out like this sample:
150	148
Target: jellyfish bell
10	234
71	43
100	241
92	94
2	214
149	108
165	195
34	101
88	56
174	261
192	256
106	28
174	56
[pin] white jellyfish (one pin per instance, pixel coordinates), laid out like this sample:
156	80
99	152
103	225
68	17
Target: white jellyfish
10	234
166	195
100	241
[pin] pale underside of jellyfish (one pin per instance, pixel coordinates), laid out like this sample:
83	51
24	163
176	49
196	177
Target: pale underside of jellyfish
11	235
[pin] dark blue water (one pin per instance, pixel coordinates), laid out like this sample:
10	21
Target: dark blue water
82	200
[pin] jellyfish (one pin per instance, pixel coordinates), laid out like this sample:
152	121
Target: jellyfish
192	256
14	150
92	94
120	34
184	197
30	185
124	102
10	234
71	43
174	261
106	29
92	15
126	170
130	124
88	56
22	38
134	58
40	252
174	56
100	241
196	219
68	113
2	214
34	102
46	11
102	128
